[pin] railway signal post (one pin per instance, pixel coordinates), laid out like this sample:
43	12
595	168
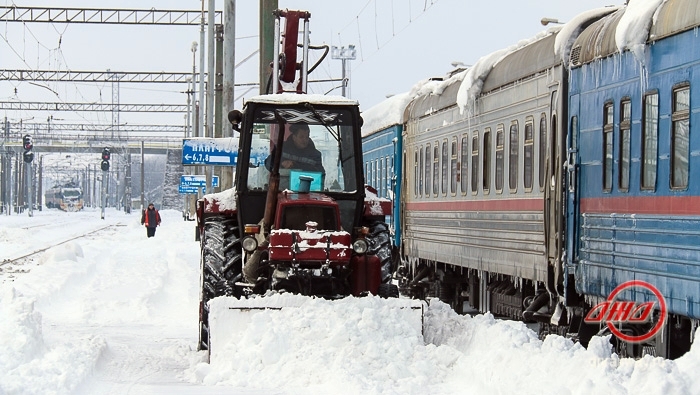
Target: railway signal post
28	156
105	169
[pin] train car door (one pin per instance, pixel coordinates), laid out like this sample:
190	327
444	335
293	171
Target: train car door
572	200
554	194
572	182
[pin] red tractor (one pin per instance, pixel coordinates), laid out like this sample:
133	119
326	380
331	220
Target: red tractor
299	218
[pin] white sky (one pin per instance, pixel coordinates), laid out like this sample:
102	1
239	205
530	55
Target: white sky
399	42
116	313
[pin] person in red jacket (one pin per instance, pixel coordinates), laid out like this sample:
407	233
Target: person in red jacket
150	218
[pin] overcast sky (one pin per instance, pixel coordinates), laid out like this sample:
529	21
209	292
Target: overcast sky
398	43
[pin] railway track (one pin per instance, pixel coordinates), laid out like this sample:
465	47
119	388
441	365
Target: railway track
26	255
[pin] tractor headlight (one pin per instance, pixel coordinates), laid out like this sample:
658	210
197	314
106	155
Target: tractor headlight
359	246
249	243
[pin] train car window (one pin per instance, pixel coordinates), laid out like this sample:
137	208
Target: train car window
454	174
428	165
513	157
528	154
416	172
379	176
500	142
475	162
436	169
389	175
486	162
623	179
650	140
465	164
573	152
384	176
543	150
607	146
680	128
375	170
366	172
445	164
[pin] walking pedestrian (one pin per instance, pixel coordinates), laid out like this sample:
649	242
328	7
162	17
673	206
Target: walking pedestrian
150	218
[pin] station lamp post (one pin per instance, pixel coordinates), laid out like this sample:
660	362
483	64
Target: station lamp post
345	54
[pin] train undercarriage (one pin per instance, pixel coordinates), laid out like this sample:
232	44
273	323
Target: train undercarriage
470	291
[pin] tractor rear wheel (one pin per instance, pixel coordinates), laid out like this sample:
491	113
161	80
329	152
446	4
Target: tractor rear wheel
388	290
379	242
221	267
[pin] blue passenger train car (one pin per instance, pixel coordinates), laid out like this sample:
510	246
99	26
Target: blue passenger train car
634	143
381	147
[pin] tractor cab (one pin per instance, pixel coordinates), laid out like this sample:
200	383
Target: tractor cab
316	140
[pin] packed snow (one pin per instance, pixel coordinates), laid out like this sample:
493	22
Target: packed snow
117	313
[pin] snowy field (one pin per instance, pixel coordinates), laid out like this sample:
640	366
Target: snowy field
116	313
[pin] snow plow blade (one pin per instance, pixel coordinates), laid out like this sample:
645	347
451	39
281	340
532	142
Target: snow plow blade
235	320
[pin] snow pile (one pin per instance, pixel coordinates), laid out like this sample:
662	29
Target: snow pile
122	318
512	360
360	345
352	345
30	366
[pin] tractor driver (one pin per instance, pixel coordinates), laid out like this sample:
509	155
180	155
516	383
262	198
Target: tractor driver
299	151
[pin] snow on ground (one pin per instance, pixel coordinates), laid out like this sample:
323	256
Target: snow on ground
116	313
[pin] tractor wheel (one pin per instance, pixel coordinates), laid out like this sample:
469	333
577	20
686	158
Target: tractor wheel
388	290
379	243
221	265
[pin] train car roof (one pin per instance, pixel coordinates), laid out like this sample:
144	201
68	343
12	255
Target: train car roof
631	26
506	66
517	65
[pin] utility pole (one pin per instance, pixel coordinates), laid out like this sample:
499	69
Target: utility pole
143	203
218	99
211	71
267	41
40	183
229	55
127	183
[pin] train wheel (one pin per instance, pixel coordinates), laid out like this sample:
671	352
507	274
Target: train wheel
220	267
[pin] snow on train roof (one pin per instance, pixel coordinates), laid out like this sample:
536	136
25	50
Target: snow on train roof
632	26
391	111
295	98
474	78
387	113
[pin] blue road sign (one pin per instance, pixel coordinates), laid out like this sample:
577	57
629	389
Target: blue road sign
190	190
198	181
210	151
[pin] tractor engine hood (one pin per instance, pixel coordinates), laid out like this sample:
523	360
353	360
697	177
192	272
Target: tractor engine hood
307	231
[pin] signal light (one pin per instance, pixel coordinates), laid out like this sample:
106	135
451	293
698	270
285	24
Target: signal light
27	144
105	159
